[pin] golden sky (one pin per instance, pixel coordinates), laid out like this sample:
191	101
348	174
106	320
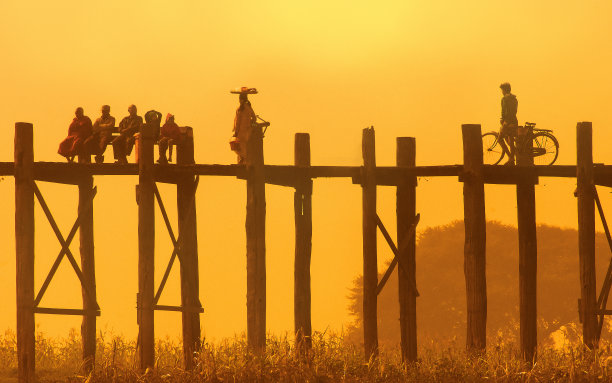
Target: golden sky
329	68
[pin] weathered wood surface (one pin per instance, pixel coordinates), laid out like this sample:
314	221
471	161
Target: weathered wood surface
370	262
146	249
24	249
528	260
288	175
302	204
256	242
88	269
475	239
586	231
406	213
188	242
48	310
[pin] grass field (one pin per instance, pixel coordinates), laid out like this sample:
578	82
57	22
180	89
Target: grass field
331	360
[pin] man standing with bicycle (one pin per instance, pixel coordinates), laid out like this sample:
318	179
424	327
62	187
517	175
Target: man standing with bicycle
509	122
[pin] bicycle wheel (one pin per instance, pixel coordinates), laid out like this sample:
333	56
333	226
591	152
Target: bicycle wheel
492	151
545	148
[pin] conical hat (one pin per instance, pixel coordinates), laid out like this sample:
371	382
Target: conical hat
244	90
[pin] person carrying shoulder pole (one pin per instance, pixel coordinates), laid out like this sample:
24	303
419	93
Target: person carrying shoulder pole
244	122
509	122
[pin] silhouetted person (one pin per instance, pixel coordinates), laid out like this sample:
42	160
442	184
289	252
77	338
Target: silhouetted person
153	120
78	131
124	143
103	130
170	135
244	122
509	122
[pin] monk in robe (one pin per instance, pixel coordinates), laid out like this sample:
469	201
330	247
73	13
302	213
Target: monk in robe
78	131
103	130
123	145
244	122
170	135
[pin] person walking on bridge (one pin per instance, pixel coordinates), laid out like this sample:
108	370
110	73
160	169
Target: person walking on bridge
509	122
244	122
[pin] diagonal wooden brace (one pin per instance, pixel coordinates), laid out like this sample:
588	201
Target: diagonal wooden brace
397	253
175	241
65	250
607	283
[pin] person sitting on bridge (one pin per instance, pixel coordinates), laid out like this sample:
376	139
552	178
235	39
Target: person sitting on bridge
509	122
124	143
103	130
244	122
78	131
170	134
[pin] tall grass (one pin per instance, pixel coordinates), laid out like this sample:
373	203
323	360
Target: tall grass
332	359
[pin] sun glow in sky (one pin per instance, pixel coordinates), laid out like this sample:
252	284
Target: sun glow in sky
329	68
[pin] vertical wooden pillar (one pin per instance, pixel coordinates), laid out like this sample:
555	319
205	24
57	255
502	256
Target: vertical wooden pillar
24	249
586	232
86	237
406	211
475	238
190	281
256	242
146	248
528	259
303	244
370	266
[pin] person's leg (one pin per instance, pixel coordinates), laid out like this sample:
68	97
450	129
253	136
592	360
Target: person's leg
163	145
119	149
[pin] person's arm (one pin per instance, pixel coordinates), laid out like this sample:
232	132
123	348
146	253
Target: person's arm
108	125
503	111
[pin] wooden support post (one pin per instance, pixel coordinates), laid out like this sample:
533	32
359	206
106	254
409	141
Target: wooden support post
256	242
24	249
146	248
370	266
528	259
586	232
475	239
190	281
86	236
303	245
406	212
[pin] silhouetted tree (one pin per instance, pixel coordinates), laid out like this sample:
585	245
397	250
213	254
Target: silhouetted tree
441	307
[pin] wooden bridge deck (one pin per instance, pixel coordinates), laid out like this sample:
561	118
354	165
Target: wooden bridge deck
289	175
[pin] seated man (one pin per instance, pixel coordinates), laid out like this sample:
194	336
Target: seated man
78	131
170	134
509	122
123	145
103	130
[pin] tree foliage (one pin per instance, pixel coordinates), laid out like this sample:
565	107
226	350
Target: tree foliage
441	307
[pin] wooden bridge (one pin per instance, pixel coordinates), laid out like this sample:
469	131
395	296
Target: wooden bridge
185	175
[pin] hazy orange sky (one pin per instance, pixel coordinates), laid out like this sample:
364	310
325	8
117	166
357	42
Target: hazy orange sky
329	68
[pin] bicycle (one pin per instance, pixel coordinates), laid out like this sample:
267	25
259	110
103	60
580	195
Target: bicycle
545	148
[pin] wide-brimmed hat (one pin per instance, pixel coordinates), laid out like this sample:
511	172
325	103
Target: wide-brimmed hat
244	90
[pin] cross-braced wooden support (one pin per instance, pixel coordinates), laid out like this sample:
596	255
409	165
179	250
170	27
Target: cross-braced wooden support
24	249
406	211
303	244
256	242
370	267
146	249
528	259
586	232
188	242
475	239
